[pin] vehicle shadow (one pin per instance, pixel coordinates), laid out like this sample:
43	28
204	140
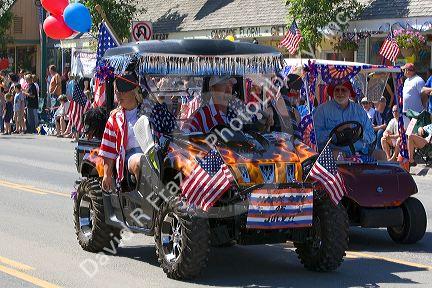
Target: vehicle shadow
278	266
139	253
378	240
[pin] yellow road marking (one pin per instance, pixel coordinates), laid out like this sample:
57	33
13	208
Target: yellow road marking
352	254
27	278
30	189
15	264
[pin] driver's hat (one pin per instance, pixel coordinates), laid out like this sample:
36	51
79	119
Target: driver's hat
214	80
127	82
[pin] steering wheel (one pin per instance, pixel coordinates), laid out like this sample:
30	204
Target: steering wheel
346	134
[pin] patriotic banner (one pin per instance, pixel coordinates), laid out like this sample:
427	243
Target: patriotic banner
390	49
292	39
209	180
307	131
280	208
325	171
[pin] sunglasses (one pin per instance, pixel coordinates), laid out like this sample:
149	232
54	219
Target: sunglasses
395	111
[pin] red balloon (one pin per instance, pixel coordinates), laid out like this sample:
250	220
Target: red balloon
55	28
55	7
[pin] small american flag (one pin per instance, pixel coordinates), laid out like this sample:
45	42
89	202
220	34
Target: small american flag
292	39
163	121
325	171
77	107
208	181
390	49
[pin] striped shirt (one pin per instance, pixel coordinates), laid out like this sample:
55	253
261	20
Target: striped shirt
114	141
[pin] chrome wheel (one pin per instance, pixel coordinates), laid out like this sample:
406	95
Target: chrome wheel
86	216
171	239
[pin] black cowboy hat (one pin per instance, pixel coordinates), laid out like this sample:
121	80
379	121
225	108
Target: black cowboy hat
126	82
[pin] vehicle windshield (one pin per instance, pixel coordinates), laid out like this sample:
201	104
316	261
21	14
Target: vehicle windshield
201	103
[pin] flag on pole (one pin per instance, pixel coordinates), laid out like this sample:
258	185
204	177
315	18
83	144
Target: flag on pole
208	181
106	40
77	107
390	49
325	171
292	39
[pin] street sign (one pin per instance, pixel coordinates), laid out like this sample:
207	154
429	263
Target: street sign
142	30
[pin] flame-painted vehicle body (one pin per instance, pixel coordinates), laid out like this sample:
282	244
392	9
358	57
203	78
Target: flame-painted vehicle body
378	194
268	201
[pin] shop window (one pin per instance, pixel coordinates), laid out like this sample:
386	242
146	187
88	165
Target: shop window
17	25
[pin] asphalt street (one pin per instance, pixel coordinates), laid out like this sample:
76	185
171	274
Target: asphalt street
39	248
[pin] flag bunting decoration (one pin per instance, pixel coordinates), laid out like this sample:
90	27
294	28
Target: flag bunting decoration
403	157
325	171
292	39
208	181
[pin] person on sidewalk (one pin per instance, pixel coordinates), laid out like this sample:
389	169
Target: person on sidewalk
32	105
391	137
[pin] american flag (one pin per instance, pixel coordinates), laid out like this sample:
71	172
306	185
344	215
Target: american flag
77	107
325	171
307	131
390	49
106	40
204	119
292	39
162	120
208	181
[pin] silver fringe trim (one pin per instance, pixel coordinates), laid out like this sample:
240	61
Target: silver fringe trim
200	65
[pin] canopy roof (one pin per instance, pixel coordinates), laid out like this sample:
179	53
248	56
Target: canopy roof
195	57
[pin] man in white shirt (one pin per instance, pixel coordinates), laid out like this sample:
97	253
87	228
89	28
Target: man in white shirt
413	85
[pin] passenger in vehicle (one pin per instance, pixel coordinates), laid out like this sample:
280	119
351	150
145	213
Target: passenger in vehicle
119	144
338	110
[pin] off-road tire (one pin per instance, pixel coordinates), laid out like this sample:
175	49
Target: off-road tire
101	236
415	222
195	241
332	222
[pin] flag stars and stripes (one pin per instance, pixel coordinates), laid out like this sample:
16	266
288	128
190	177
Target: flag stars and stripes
390	49
292	39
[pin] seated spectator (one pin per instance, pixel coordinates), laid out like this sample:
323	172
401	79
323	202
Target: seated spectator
379	121
419	141
61	116
391	137
367	106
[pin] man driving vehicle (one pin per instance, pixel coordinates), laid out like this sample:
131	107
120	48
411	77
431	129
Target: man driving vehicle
338	110
214	112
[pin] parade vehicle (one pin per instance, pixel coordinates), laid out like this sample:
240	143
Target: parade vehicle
379	194
265	198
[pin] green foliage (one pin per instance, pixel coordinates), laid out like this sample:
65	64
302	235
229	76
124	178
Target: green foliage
6	17
119	14
409	39
315	16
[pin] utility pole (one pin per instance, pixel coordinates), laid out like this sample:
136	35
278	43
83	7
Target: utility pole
43	44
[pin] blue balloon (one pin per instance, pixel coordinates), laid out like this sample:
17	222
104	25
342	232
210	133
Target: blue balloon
77	17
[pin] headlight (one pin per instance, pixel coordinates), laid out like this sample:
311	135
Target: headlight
307	166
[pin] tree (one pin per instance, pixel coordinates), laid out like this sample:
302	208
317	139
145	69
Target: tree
119	14
6	17
314	16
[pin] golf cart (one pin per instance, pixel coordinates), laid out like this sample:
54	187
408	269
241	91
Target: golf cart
267	201
379	193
